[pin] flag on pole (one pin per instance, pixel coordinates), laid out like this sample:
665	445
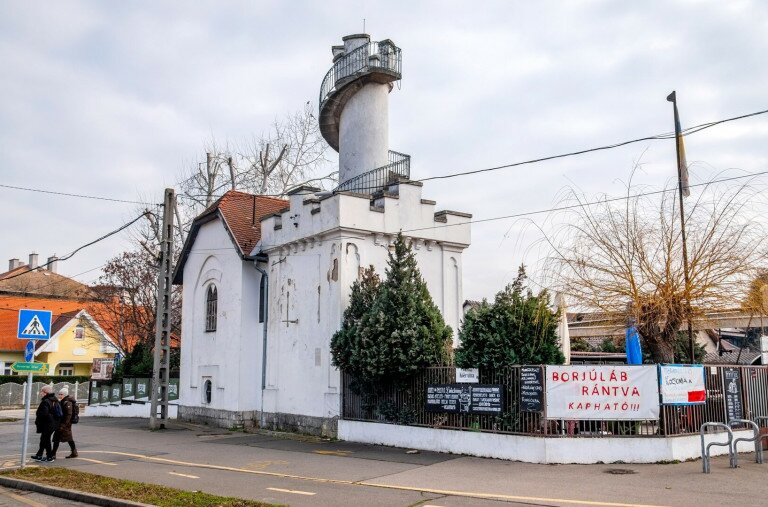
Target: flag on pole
682	165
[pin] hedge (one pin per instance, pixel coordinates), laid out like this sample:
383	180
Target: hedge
48	379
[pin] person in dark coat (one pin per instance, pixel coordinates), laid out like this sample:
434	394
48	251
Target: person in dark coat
46	423
64	433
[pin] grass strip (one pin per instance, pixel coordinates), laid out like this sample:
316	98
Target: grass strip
161	496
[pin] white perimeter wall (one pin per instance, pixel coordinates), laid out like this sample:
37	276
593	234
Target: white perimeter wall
141	410
536	449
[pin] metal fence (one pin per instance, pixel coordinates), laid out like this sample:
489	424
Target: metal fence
12	394
399	167
128	390
405	404
381	56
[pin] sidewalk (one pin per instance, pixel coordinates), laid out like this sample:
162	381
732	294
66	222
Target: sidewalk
297	471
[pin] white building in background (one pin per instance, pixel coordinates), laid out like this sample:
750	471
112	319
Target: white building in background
266	281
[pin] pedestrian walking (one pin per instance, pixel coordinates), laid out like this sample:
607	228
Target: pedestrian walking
64	433
47	419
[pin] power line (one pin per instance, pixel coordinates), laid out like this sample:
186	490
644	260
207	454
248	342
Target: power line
71	254
37	289
548	210
686	132
82	196
657	137
581	205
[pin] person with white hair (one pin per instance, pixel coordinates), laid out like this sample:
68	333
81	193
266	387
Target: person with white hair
64	433
47	421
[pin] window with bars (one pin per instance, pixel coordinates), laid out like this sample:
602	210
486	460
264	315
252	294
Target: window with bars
211	300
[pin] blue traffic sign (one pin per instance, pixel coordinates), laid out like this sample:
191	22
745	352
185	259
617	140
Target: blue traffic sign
34	324
29	351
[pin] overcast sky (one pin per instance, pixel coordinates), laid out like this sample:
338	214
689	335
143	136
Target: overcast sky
116	98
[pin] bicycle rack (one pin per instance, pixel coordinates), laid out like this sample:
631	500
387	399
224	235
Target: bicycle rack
705	450
755	438
757	420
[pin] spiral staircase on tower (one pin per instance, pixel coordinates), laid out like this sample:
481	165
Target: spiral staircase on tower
373	62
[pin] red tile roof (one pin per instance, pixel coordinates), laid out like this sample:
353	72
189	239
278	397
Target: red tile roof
242	214
41	282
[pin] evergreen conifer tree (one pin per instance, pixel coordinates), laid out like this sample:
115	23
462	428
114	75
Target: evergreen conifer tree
394	329
517	328
346	343
404	327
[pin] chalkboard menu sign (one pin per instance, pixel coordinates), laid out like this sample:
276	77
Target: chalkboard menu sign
465	398
531	389
732	390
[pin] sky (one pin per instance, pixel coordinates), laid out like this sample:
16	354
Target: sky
116	99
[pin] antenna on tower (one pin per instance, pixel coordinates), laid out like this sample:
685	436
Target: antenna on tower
363	25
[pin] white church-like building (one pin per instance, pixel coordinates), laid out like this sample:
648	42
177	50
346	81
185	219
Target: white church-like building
266	281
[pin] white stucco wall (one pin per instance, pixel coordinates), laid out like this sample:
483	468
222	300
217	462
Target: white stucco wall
535	449
229	356
364	131
316	250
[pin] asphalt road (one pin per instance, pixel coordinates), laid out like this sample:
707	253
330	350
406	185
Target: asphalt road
15	498
296	471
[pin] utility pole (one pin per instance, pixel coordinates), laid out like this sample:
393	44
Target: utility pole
682	185
161	368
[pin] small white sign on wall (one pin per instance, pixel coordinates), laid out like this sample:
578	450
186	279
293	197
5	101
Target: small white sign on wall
467	375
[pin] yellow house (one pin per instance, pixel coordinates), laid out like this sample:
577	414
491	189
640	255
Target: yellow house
76	340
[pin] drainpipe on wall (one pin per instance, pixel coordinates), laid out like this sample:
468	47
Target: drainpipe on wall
265	306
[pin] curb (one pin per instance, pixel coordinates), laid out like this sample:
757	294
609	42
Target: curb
68	494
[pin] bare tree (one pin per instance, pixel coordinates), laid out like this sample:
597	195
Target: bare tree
127	293
756	301
626	256
291	153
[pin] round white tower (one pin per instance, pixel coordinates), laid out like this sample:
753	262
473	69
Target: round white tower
354	112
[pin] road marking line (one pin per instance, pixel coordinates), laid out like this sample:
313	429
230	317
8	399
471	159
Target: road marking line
293	491
99	462
21	499
466	494
184	475
343	454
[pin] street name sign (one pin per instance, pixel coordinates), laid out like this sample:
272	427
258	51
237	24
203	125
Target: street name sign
34	325
29	367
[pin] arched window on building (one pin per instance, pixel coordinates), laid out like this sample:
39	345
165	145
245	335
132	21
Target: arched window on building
211	300
207	391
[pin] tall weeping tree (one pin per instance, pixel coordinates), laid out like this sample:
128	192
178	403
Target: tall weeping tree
620	257
399	333
518	327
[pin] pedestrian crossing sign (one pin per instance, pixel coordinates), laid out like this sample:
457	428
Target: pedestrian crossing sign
34	325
